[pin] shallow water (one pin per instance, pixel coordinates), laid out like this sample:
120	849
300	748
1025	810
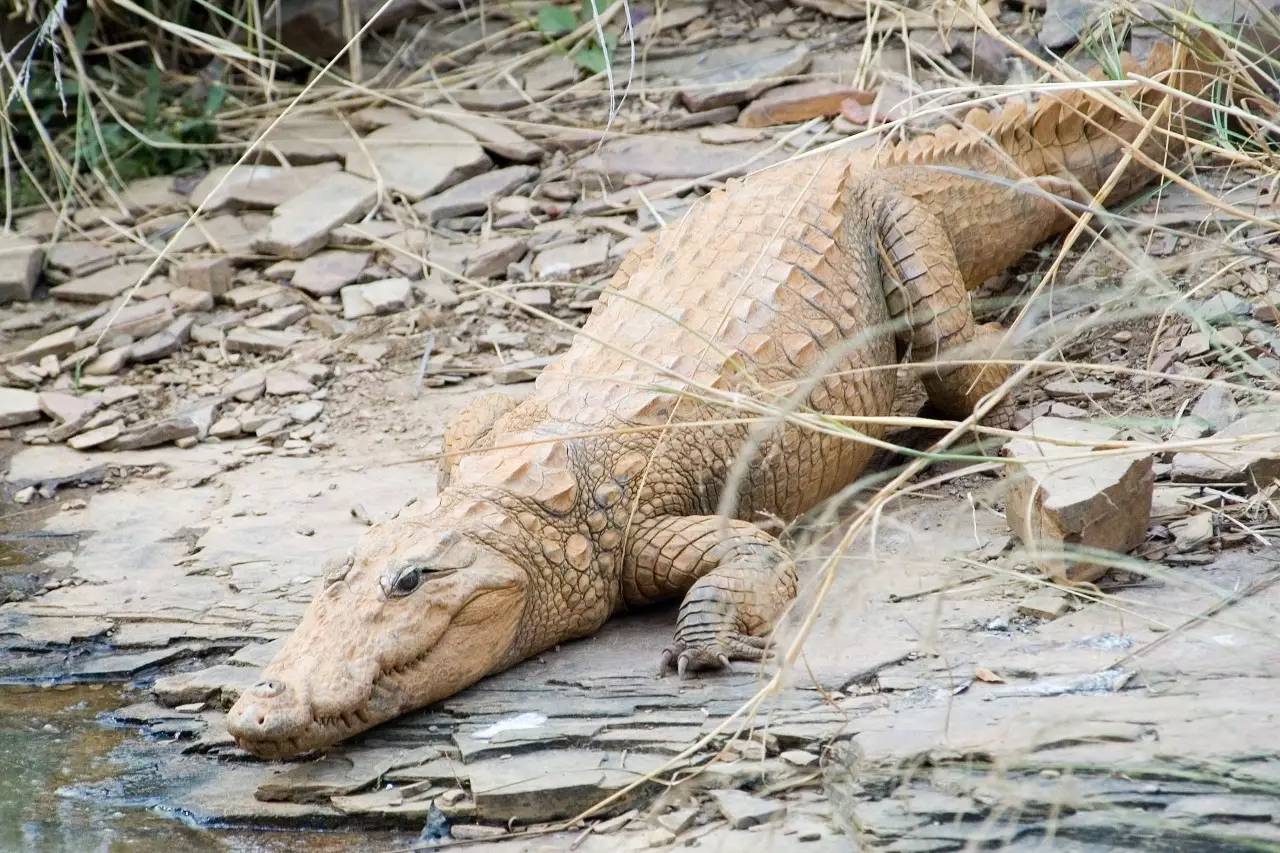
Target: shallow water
68	782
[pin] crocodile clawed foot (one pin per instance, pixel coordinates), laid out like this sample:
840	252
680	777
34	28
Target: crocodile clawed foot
711	655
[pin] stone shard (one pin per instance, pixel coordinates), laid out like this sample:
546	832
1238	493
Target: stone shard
256	186
669	157
742	810
418	158
20	260
327	272
492	257
551	784
301	226
100	286
573	259
213	275
95	437
285	383
494	136
1247	452
1068	499
474	195
731	75
389	295
265	341
59	343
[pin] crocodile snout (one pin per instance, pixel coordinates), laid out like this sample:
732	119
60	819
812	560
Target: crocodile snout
269	719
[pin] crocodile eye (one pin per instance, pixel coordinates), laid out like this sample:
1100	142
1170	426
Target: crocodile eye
407	582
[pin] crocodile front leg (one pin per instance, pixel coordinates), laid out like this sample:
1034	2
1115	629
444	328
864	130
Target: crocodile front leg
925	289
735	578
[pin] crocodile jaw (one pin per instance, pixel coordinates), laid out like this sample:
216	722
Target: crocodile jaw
359	657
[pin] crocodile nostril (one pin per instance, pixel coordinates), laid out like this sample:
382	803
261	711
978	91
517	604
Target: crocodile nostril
266	689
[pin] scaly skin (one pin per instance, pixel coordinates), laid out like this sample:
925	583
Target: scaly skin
600	491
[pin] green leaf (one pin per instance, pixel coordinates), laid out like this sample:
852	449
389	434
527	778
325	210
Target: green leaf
84	30
592	58
214	100
586	12
151	98
554	21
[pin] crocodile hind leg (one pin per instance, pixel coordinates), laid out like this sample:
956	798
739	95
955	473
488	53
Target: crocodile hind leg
926	293
735	578
471	429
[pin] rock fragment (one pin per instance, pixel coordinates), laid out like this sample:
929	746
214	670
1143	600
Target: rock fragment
327	272
418	158
263	341
388	296
95	437
1068	498
20	260
666	158
573	259
742	810
285	383
101	286
494	136
474	195
731	75
301	226
188	300
1247	453
280	318
492	257
18	406
213	275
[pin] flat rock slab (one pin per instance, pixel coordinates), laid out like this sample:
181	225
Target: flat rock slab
52	466
731	75
327	272
388	296
301	226
573	259
494	136
555	784
18	406
418	158
474	195
20	260
669	157
101	286
1249	454
742	810
264	187
265	341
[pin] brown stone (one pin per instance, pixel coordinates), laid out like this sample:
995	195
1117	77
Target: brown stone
213	275
800	102
1066	498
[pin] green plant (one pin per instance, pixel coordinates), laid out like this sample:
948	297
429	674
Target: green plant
557	21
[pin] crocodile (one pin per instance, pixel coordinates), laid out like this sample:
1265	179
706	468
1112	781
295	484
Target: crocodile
613	485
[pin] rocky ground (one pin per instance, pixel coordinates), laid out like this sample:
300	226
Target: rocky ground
198	413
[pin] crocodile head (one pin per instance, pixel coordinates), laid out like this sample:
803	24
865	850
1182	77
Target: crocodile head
417	612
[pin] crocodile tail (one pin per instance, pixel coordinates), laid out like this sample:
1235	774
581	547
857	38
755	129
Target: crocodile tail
1080	135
